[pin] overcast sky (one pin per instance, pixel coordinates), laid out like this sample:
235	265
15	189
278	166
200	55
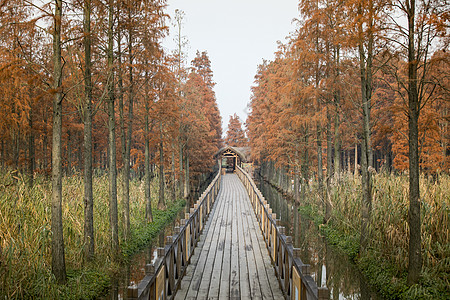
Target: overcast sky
238	35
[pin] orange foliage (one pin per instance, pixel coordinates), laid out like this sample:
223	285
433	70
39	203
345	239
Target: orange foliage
192	120
235	134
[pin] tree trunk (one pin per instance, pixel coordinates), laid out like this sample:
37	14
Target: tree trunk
319	166
88	196
45	145
305	166
120	90
113	210
365	61
161	175
328	206
337	122
182	184
296	194
187	184
174	179
349	165
126	161
58	257
148	198
329	148
121	110
415	251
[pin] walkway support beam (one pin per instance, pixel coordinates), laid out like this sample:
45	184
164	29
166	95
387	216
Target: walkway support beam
293	275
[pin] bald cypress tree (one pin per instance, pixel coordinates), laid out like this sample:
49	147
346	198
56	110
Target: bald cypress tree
235	133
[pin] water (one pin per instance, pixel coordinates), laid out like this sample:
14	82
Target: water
135	270
328	267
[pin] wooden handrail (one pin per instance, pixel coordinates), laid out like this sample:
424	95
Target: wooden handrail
295	280
163	278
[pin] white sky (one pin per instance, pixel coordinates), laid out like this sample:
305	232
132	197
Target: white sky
238	35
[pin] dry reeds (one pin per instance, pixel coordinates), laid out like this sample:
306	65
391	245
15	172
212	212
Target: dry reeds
25	235
389	222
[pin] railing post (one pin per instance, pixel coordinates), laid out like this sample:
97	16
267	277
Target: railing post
305	269
132	291
289	240
323	293
149	269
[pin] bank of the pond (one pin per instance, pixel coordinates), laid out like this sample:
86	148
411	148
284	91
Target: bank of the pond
388	279
142	235
383	276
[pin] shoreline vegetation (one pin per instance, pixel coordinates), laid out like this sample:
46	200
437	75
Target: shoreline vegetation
384	263
25	236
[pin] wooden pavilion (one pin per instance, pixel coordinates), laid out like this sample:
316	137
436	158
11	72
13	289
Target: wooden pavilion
230	157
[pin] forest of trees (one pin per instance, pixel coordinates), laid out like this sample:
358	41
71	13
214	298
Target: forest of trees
360	86
86	88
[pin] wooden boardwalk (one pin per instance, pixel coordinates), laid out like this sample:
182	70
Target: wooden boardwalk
231	260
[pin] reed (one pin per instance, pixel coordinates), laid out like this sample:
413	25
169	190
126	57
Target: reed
25	236
388	248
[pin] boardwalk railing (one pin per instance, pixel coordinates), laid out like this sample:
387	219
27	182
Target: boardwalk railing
295	280
164	276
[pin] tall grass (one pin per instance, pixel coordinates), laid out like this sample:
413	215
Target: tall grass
386	257
25	236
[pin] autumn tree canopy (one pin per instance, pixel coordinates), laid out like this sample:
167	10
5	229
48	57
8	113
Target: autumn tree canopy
91	88
235	134
355	89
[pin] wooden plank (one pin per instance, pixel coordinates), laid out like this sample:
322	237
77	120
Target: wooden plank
224	292
204	242
231	260
244	281
235	292
255	288
203	268
216	282
264	281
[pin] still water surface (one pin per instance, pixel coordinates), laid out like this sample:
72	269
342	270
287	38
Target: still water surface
135	270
